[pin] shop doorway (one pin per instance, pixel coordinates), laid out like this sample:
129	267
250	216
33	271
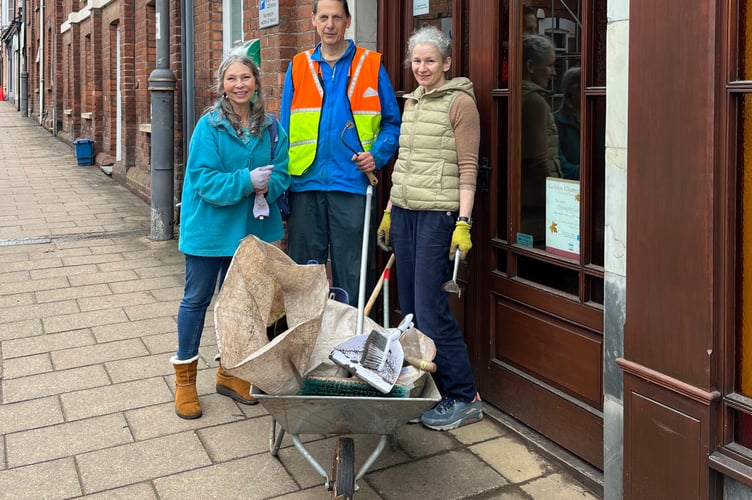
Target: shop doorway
532	306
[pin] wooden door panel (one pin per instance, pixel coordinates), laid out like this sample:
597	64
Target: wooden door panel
556	417
658	437
556	352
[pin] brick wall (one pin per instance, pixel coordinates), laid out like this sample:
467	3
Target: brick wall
177	68
32	48
86	70
279	44
42	62
96	77
52	71
144	61
207	50
130	27
71	88
108	56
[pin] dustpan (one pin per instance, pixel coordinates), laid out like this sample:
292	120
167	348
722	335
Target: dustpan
349	354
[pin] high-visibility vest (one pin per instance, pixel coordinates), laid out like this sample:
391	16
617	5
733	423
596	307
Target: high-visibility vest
305	109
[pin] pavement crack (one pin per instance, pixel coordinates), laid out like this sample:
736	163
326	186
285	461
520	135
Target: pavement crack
42	240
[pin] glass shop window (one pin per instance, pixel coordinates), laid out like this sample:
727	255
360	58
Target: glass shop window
434	13
556	180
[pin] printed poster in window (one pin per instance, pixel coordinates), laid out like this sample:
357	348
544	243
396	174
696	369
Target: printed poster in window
420	7
563	217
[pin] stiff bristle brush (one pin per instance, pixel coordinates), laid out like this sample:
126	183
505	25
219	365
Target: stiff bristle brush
376	349
378	345
352	387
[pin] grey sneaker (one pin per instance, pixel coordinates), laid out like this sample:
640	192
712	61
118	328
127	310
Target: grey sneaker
450	414
416	418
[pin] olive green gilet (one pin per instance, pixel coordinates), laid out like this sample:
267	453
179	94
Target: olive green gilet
426	174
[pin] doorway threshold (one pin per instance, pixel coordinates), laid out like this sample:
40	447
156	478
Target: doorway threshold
590	477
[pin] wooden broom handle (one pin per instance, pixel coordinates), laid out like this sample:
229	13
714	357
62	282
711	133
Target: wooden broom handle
377	288
421	364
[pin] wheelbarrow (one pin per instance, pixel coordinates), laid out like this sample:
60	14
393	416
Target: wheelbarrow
342	416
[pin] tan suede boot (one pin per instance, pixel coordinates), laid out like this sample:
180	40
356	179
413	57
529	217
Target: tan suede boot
186	398
234	388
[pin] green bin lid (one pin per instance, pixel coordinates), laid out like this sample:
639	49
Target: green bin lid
252	49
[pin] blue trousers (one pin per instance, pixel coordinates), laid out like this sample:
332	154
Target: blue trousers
203	275
324	223
421	241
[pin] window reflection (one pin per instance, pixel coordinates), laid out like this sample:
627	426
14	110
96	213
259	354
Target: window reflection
560	182
439	14
529	20
539	137
567	119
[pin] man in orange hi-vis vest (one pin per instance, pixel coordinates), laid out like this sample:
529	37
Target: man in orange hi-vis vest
343	121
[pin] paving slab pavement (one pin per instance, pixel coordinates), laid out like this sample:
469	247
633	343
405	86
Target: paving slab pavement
88	307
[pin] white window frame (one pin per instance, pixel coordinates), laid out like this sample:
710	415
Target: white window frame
232	24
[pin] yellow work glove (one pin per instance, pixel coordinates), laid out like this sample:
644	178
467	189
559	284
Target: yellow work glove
461	240
382	233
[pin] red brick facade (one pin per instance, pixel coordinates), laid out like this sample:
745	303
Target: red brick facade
99	54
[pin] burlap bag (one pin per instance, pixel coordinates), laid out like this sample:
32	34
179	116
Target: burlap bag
263	284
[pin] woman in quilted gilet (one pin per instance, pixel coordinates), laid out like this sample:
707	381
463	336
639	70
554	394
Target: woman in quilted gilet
428	216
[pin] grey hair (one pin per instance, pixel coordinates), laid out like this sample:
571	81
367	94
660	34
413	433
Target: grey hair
535	48
429	35
223	106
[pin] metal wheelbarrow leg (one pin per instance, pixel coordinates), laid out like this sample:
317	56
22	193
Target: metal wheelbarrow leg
343	478
275	438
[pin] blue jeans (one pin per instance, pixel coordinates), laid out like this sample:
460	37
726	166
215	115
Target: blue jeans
202	276
421	241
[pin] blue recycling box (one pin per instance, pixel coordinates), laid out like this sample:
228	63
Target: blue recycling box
84	151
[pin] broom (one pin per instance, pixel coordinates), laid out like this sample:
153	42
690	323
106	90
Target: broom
337	386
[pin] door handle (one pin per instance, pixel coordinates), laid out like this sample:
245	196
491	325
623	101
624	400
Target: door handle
484	174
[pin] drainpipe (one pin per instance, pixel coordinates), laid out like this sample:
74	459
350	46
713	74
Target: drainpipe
24	75
162	84
187	50
41	62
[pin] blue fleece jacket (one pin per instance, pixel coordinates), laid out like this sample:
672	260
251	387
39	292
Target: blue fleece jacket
332	169
217	204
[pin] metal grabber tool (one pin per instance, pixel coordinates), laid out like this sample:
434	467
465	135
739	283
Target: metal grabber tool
350	125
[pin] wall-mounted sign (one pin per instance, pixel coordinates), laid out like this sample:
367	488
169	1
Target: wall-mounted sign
563	217
268	13
420	7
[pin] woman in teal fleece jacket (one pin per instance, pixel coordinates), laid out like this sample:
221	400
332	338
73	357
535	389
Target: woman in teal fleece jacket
230	162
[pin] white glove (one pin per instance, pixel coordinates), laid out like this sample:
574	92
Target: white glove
260	206
260	176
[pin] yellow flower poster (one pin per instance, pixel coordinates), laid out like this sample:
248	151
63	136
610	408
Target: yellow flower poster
563	217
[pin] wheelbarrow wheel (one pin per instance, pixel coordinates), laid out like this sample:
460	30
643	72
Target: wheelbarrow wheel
343	469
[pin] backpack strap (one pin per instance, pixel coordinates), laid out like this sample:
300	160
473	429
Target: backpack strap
273	134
